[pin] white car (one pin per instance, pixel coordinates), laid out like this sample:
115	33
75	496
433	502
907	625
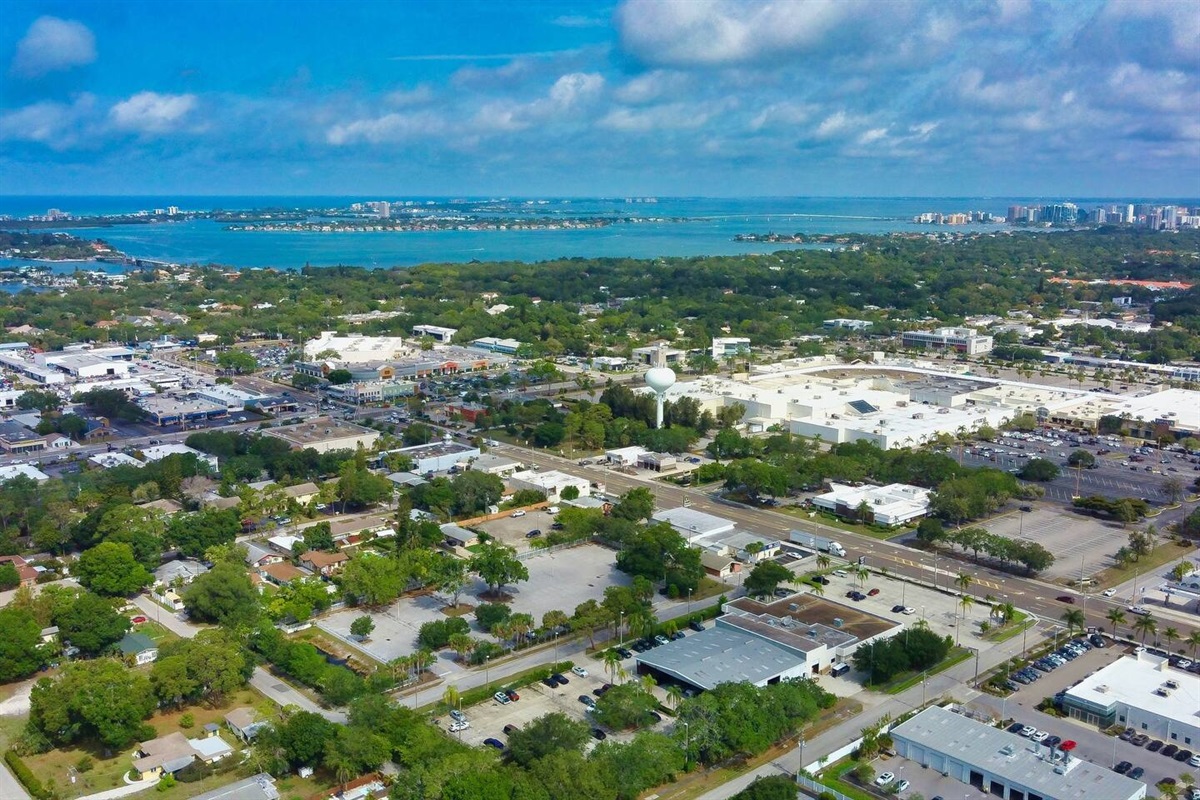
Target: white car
457	726
502	698
1109	592
1137	610
580	671
884	779
518	514
902	785
1040	736
552	509
1028	731
909	610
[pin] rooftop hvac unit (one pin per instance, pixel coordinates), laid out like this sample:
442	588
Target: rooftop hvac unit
838	622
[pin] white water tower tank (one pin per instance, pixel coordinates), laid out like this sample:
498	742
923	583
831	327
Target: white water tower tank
660	379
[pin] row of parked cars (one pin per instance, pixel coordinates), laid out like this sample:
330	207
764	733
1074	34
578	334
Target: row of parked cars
1155	746
1034	735
1052	661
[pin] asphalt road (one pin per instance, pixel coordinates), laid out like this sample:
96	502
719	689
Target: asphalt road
1030	594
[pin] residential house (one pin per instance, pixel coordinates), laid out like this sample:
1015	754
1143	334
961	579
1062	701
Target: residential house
719	566
25	573
258	556
49	635
138	648
324	563
244	723
280	573
302	493
165	755
183	570
164	505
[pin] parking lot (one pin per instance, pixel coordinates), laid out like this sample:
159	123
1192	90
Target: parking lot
1070	536
487	719
512	530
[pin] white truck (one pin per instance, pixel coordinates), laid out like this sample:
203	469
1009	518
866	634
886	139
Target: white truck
814	542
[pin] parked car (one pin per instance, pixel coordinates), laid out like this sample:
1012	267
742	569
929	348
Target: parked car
502	698
624	652
518	514
560	679
902	785
1040	736
512	695
549	681
533	534
873	592
1183	755
1154	746
661	639
1140	740
1028	730
600	691
458	716
696	625
599	735
821	579
510	729
1170	750
587	701
1123	767
457	726
492	742
896	609
580	671
1136	773
1015	727
884	779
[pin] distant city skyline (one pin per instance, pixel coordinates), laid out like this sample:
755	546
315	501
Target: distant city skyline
642	97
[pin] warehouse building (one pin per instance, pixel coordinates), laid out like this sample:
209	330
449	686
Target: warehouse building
1002	764
1142	692
891	505
551	483
163	410
438	456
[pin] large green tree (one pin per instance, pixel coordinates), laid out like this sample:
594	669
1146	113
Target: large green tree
91	623
112	569
766	577
546	735
100	701
497	565
223	595
474	491
20	646
372	580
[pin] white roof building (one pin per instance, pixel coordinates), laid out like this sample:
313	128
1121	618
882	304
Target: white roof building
693	524
161	451
894	504
551	482
626	456
1143	692
10	471
358	349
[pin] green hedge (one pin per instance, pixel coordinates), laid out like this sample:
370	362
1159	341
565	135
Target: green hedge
27	778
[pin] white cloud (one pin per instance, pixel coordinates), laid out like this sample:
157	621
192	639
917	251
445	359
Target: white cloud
56	125
409	97
715	32
673	116
151	112
652	86
51	45
386	129
577	87
579	21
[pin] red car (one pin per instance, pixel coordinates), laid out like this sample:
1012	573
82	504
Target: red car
1065	598
872	593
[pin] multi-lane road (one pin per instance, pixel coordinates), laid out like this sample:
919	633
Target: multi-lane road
1031	594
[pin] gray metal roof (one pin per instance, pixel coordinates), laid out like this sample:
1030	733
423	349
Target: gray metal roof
1014	759
720	655
257	787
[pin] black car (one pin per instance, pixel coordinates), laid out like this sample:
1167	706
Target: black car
624	652
559	679
1170	750
587	701
677	635
640	646
1183	755
496	743
533	534
599	735
600	690
696	625
1136	773
1155	746
553	684
897	609
510	729
1015	727
1053	741
1096	640
821	579
1122	768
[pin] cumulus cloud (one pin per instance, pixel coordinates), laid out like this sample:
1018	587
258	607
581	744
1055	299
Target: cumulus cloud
56	125
52	45
151	112
387	129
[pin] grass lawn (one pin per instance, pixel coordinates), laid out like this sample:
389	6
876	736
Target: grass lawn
337	647
708	588
156	632
109	768
1019	623
1163	554
833	778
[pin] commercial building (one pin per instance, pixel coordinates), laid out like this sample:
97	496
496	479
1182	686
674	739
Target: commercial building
325	434
609	363
658	355
357	349
435	332
373	391
494	345
692	524
847	324
764	643
962	340
1143	692
891	505
438	456
161	451
16	438
551	483
10	471
1004	764
163	410
723	346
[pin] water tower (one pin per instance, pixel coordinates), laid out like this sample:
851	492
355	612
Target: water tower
660	379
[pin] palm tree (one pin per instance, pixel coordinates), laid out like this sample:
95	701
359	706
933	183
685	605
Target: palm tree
964	581
1074	619
648	683
1146	624
461	644
823	561
1171	635
1193	640
612	662
451	697
817	589
1116	616
862	573
966	601
1009	611
674	695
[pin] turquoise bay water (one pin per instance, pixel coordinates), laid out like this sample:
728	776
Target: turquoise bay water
709	230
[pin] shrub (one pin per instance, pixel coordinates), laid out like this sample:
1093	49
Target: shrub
187	721
436	635
26	777
84	764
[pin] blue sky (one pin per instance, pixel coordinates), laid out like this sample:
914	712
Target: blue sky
662	97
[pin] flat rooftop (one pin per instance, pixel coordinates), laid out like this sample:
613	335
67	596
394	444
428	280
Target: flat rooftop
1016	760
435	449
720	655
1132	680
808	608
689	519
321	429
